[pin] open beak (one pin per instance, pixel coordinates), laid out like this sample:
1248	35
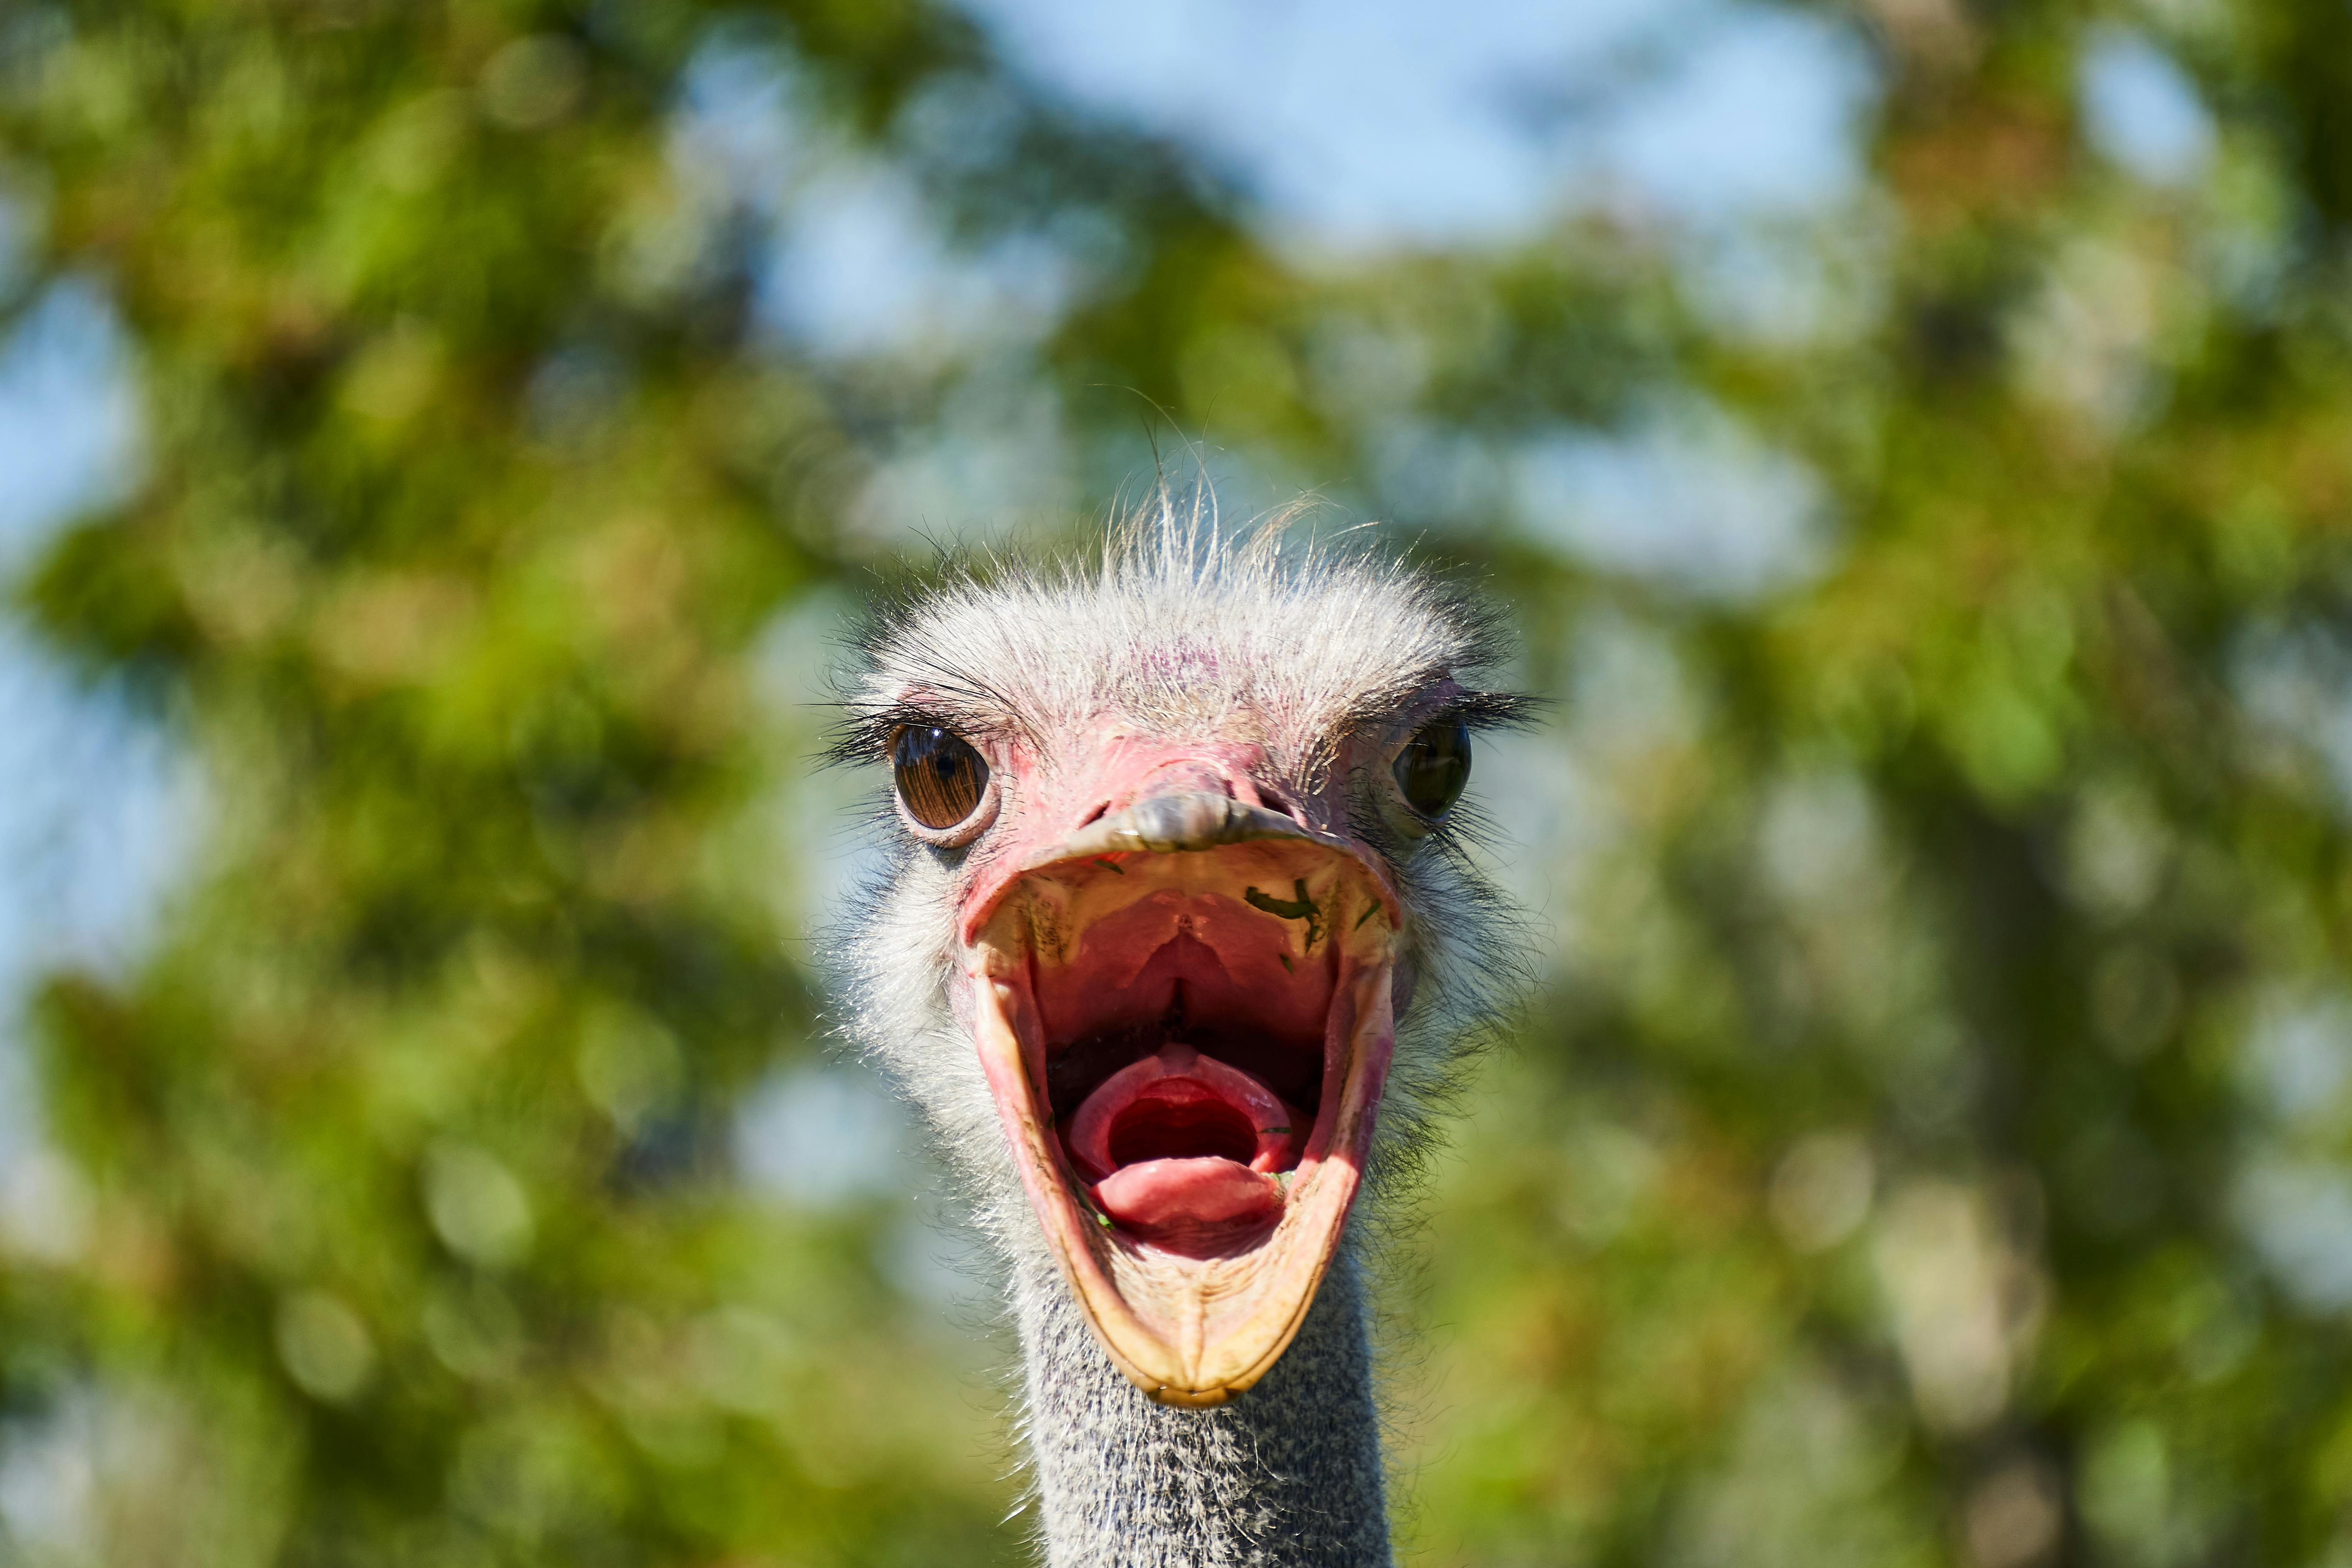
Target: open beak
1185	1014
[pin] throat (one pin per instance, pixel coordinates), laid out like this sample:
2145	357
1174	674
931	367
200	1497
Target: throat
1287	1475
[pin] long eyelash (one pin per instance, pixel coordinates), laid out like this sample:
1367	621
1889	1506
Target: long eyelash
866	737
1499	709
1467	829
1483	712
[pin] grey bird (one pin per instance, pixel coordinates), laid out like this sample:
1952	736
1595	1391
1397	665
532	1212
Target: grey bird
1179	949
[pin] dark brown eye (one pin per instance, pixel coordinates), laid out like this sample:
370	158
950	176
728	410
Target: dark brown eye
1434	765
939	777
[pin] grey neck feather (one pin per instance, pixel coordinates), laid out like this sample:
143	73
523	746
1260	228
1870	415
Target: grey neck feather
1287	1475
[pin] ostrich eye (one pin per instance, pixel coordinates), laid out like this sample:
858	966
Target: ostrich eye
1434	765
940	776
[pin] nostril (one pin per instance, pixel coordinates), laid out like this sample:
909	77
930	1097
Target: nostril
1280	806
1095	814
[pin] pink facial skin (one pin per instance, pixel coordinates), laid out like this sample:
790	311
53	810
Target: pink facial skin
1047	799
1044	807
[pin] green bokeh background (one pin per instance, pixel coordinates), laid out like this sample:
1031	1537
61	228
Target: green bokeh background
1927	1144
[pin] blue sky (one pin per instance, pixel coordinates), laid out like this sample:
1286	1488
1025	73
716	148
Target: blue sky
1353	128
1361	125
89	792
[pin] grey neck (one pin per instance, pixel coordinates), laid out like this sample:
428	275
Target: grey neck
1287	1475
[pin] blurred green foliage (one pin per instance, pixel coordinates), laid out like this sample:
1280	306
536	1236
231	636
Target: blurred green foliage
1931	1145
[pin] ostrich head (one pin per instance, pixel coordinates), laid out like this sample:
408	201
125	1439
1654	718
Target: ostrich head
1180	937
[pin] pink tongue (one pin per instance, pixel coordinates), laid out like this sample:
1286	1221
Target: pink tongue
1162	1197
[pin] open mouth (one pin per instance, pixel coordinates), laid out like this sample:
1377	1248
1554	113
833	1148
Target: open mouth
1184	1018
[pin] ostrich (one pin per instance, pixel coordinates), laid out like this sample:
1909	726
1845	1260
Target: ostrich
1177	952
